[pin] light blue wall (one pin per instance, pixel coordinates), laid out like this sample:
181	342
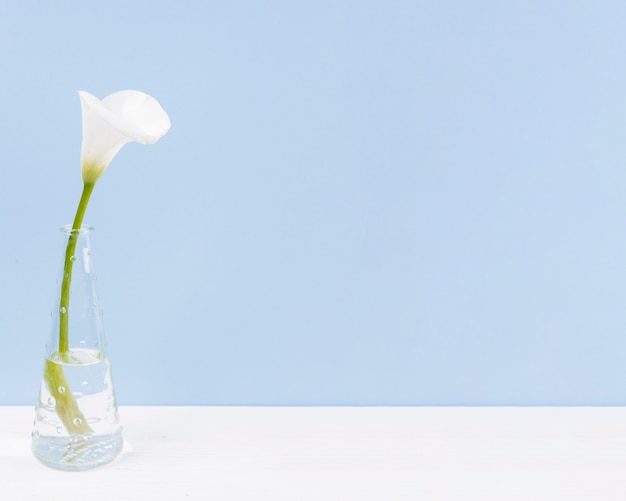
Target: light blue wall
417	202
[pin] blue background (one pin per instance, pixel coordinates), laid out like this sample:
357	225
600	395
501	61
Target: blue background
359	203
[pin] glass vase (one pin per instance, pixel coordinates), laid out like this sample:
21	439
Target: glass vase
76	420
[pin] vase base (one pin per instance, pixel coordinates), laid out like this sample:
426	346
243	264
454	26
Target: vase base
77	454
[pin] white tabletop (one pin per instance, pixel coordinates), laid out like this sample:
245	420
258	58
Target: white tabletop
337	453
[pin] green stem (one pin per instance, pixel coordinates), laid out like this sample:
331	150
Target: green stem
66	406
64	306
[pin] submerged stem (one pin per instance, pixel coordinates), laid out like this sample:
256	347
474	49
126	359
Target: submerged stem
66	406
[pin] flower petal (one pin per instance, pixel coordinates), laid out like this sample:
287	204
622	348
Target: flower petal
146	120
118	119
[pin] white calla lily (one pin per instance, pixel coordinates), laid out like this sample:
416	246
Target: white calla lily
120	118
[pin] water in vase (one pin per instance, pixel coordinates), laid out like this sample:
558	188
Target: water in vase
76	424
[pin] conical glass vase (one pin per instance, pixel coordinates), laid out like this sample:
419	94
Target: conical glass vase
76	421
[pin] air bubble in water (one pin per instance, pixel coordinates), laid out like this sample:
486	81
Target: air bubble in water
52	401
77	421
62	389
63	309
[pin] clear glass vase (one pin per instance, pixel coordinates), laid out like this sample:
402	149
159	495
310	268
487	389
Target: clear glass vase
76	421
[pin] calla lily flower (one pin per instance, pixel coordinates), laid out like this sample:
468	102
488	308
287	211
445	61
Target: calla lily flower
120	118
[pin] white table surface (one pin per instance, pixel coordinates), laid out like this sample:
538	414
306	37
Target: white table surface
337	453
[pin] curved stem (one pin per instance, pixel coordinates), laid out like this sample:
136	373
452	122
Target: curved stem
66	406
